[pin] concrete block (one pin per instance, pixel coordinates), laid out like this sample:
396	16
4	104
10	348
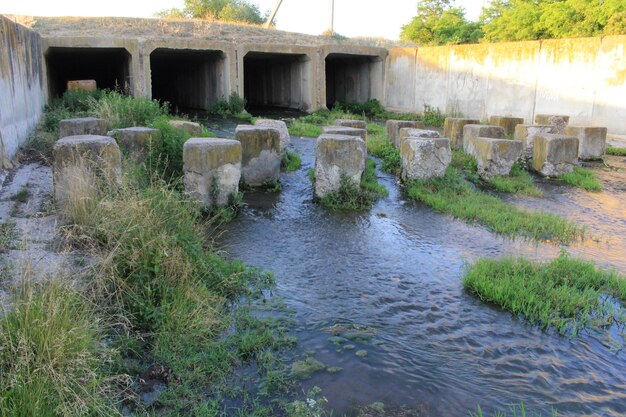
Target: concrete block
80	161
506	122
335	156
357	124
409	132
136	140
346	130
194	129
279	125
526	134
424	158
471	132
591	140
212	170
394	126
82	126
82	85
495	156
261	154
558	121
453	129
555	154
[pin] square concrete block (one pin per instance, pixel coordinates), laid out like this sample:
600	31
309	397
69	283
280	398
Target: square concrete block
591	140
82	126
556	120
424	158
506	122
335	156
346	130
495	156
471	132
279	125
555	154
82	85
194	129
212	170
82	161
394	126
357	124
410	132
526	134
453	129
136	141
261	154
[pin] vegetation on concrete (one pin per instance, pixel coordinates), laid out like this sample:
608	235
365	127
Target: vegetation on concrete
582	178
352	196
224	10
566	294
290	161
611	150
439	22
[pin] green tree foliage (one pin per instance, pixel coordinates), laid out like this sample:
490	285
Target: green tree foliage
225	10
439	23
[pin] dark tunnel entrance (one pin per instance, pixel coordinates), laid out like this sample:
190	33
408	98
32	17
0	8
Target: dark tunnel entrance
188	79
350	78
277	80
110	67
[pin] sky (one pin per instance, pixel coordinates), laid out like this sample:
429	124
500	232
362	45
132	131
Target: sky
369	18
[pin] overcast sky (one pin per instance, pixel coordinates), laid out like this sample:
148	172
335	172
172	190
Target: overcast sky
376	18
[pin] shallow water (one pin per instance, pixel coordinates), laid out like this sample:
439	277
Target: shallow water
396	270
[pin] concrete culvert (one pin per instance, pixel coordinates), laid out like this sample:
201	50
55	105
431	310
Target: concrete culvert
350	78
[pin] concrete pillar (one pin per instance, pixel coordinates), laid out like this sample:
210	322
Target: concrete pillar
591	140
554	154
337	156
285	138
136	141
527	133
82	126
453	129
394	126
474	131
506	122
495	156
261	154
425	158
357	124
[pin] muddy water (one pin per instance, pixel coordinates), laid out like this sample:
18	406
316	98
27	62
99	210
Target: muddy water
396	271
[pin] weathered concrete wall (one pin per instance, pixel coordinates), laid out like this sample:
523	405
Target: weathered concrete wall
22	96
584	78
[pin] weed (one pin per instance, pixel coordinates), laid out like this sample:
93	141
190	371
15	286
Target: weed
302	129
353	196
566	294
611	150
312	406
290	161
21	196
518	181
268	186
433	116
8	236
234	106
582	178
122	111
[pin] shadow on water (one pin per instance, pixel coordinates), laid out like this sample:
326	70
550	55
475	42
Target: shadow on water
396	271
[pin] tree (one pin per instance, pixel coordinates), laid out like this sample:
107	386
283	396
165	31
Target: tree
439	23
225	10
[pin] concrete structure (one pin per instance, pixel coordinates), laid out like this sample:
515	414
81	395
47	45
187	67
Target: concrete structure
495	156
79	162
136	141
506	122
82	126
345	130
526	134
453	129
82	85
22	87
260	154
591	140
394	126
555	154
558	121
425	158
357	124
484	131
337	156
279	125
409	132
193	128
212	170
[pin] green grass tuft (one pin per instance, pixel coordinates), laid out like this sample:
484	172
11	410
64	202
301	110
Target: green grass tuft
611	150
352	196
290	161
379	146
518	181
566	294
306	130
582	178
21	196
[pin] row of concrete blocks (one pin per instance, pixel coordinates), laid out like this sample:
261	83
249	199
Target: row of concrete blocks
213	167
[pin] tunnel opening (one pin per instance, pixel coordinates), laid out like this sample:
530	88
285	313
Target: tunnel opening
350	78
276	82
188	79
109	67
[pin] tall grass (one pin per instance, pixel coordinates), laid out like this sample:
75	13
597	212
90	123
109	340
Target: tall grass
567	294
122	111
582	178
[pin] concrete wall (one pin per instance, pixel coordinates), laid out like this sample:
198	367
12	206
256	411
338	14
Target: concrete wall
22	95
584	78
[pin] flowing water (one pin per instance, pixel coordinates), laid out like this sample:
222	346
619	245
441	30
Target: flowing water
396	271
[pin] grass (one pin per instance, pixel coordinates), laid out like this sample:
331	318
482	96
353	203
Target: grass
518	181
582	178
517	410
306	130
611	150
379	146
121	111
566	294
21	196
352	196
290	161
454	195
8	236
